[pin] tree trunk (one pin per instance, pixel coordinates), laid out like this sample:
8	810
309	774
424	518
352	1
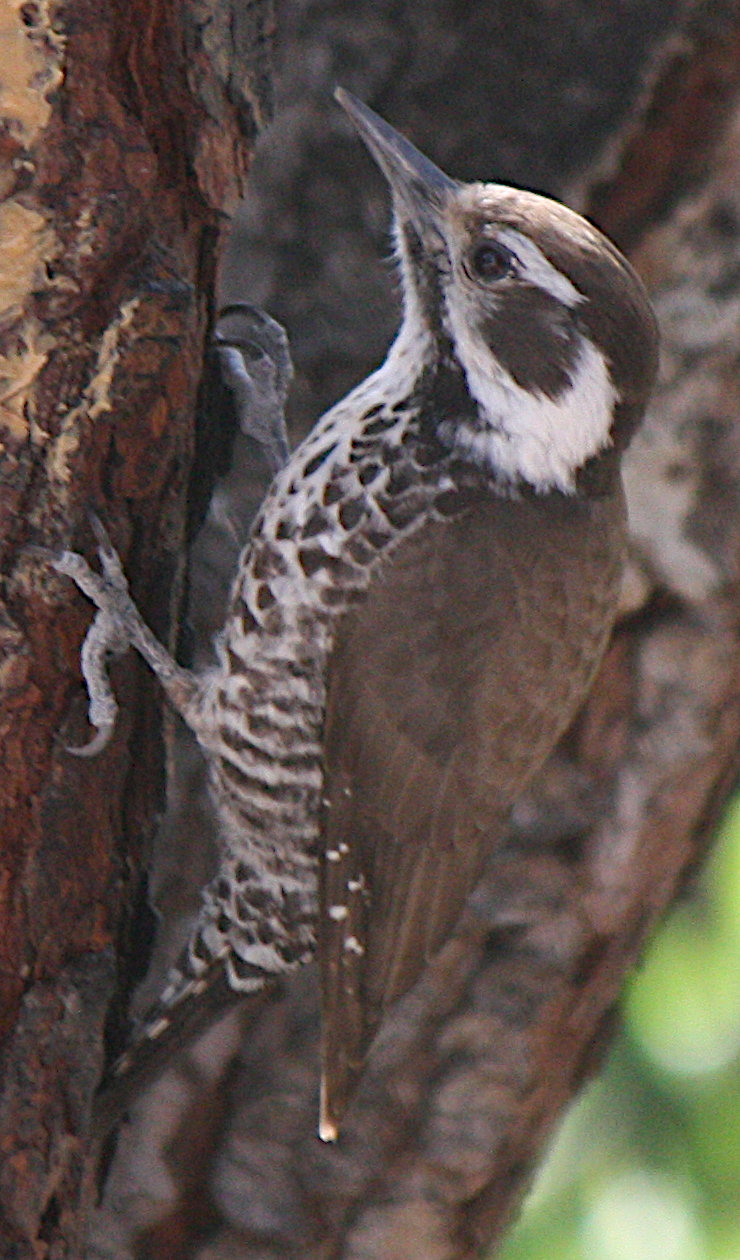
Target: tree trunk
126	138
129	143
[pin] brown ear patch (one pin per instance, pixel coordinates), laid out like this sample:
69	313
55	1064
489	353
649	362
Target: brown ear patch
535	338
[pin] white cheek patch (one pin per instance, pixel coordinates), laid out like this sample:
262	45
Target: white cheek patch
537	269
527	436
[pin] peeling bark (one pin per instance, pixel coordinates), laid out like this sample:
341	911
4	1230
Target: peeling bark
124	148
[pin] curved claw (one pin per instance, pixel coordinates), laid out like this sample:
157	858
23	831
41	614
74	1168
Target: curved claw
246	326
109	558
113	569
102	537
99	741
256	367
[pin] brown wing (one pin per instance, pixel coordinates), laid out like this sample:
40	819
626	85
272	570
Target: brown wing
448	687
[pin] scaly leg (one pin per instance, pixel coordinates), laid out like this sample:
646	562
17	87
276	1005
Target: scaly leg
119	625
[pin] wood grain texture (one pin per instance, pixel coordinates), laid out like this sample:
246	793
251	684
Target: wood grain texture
123	150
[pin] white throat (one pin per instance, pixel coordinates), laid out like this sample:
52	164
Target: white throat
529	436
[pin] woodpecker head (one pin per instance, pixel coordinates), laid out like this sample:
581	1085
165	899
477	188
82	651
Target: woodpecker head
546	321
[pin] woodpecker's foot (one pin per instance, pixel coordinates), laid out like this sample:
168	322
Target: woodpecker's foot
109	634
118	625
256	366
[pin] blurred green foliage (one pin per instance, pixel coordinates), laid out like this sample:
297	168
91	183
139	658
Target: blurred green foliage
646	1166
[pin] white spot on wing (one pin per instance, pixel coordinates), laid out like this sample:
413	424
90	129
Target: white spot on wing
328	1131
338	913
156	1029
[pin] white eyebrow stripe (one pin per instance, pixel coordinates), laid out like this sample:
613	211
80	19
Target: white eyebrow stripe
538	269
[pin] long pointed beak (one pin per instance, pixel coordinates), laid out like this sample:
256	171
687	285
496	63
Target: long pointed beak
420	185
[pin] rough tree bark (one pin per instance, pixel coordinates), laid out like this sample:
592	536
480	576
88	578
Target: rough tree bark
125	139
127	145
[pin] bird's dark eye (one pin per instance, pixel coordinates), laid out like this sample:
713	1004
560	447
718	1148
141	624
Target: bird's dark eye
491	261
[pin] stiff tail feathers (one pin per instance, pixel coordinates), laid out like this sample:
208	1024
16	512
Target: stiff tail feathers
189	1006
